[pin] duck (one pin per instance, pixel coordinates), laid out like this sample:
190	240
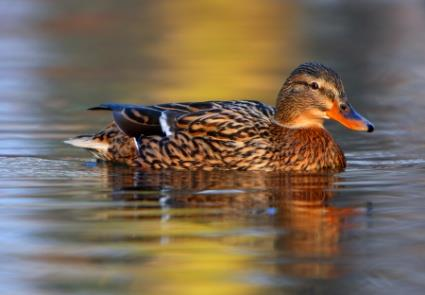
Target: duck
235	134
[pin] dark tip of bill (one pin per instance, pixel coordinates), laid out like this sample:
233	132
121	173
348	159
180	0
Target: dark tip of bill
370	128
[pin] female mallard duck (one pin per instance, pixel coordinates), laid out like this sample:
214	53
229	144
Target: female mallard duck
237	135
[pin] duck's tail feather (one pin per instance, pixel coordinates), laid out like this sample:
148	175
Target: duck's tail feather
97	147
110	144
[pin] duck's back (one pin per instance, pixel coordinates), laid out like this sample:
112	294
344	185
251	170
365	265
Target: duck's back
206	135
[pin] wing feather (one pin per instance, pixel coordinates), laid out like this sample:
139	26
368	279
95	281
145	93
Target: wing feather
220	119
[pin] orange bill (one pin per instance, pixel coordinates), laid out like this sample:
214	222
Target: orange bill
349	118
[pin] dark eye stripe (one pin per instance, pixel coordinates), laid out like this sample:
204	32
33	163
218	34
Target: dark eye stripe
329	93
301	83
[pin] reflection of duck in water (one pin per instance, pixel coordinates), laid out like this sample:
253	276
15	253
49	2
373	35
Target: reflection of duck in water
227	190
236	135
299	206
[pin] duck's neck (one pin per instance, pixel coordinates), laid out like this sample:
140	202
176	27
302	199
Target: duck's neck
287	107
289	115
307	148
301	122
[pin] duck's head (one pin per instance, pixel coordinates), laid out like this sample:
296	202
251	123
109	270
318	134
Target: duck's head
313	93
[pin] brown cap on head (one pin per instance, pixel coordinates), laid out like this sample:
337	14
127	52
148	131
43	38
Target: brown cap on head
319	70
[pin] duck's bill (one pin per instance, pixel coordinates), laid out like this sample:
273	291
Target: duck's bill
350	118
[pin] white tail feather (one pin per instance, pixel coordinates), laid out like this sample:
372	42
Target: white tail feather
97	148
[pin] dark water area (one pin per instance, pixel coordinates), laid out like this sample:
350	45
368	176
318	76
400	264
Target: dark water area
70	225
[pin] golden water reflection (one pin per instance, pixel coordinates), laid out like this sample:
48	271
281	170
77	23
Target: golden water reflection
215	226
152	52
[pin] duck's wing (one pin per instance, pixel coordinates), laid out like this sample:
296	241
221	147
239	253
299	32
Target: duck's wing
135	120
230	120
223	119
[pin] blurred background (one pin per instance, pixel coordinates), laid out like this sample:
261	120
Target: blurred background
69	225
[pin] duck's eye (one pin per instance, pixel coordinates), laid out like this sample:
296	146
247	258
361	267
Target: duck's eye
314	85
343	107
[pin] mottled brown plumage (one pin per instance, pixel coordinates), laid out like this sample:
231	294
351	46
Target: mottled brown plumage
235	135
